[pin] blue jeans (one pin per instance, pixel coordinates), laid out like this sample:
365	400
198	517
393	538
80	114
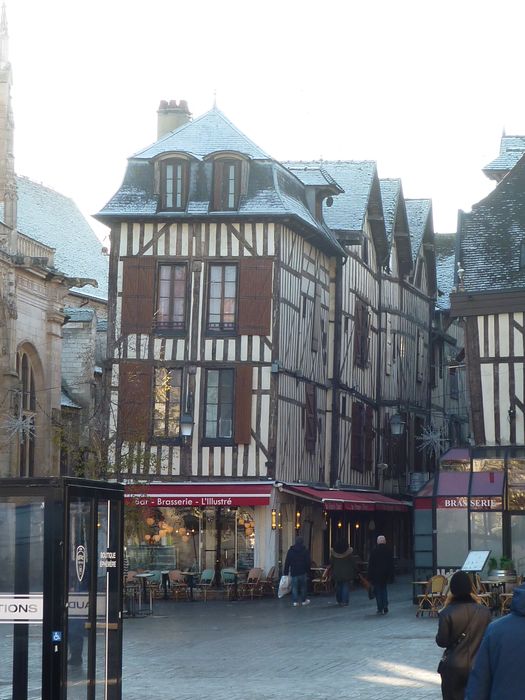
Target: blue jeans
342	591
299	588
381	594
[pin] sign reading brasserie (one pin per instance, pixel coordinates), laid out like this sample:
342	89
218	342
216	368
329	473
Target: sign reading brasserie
21	609
475	502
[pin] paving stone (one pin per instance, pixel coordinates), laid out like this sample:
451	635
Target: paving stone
267	650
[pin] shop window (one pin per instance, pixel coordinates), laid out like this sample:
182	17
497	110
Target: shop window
171	298
173	184
226	184
486	532
219	404
167	403
222	298
25	415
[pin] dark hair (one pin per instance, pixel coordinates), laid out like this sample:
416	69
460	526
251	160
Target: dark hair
340	546
461	586
299	540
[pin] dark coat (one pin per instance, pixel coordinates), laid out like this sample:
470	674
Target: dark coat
461	628
344	566
498	672
297	560
381	566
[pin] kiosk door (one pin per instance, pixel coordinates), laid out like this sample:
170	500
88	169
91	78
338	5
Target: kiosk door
60	589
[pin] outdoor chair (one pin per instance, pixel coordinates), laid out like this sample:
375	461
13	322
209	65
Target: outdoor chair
433	597
178	584
485	597
269	582
323	583
205	583
253	584
505	600
228	577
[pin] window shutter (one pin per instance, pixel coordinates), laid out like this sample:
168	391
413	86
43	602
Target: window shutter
357	437
316	320
311	417
255	296
243	405
358	322
369	438
134	401
138	288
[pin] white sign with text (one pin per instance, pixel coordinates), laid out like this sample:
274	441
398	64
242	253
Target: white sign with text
21	609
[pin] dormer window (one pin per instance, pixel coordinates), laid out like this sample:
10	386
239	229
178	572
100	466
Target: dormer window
174	178
226	184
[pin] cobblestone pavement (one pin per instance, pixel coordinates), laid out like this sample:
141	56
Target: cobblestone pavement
267	650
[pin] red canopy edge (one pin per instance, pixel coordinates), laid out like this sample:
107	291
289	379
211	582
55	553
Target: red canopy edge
337	499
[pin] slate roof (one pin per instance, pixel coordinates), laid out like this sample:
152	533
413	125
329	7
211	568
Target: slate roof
272	192
445	244
79	315
55	220
511	150
395	215
66	401
390	192
418	211
316	176
208	134
491	236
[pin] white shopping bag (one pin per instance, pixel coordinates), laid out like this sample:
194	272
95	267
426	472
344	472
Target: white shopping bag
285	586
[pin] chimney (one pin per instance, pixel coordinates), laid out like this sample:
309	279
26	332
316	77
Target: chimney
172	115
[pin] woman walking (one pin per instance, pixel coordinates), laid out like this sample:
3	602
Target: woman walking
344	571
462	623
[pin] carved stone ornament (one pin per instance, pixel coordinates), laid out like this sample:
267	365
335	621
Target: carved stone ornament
8	293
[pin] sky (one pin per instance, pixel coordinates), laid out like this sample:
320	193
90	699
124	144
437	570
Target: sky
424	88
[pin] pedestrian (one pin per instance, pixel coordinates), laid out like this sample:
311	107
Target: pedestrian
462	622
381	573
298	564
497	673
344	571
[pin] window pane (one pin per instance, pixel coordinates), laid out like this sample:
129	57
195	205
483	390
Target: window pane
216	273
230	273
213	377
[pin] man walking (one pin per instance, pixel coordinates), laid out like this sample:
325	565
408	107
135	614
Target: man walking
498	669
381	573
298	564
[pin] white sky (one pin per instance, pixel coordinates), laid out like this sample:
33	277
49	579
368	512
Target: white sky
425	88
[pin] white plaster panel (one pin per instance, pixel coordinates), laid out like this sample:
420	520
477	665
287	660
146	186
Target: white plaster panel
228	461
180	349
235	246
213	240
216	461
136	239
148	233
265	416
259	233
184	243
481	333
207	350
244	347
271	239
173	241
256	348
132	347
504	330
231	350
143	346
223	244
487	390
123	239
252	465
161	245
165	466
266	376
504	403
492	340
205	460
518	335
219	350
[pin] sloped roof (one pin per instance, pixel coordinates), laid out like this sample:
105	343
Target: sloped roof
316	176
390	192
396	223
418	211
445	245
511	150
491	236
55	220
210	133
79	315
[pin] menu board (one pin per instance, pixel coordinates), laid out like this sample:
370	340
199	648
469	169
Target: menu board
476	560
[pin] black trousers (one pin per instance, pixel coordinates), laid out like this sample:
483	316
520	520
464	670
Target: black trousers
453	683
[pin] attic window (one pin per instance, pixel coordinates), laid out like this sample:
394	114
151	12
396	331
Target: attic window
226	184
174	187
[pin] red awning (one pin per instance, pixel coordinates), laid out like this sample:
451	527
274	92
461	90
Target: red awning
200	495
334	499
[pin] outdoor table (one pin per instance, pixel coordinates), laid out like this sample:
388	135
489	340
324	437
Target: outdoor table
144	577
165	583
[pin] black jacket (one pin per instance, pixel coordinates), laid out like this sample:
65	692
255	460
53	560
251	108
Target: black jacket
381	565
344	566
297	560
456	620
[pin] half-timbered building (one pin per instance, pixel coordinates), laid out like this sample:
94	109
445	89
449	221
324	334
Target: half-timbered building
490	298
221	280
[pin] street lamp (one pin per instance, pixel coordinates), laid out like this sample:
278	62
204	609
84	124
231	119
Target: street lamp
396	424
186	425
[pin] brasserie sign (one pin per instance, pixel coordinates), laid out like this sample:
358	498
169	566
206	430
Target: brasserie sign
475	503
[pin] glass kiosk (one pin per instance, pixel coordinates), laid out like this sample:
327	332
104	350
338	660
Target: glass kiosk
60	589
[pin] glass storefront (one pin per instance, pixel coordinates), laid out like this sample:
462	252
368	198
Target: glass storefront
190	539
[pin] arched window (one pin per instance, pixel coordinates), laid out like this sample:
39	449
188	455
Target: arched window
26	414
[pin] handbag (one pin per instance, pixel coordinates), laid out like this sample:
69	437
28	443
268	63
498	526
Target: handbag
285	586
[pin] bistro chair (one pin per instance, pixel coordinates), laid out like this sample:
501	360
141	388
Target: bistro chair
178	584
484	596
228	581
323	583
269	582
205	583
433	596
505	599
253	585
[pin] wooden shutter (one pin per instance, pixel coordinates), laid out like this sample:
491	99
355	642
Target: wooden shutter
134	401
243	405
138	289
255	296
357	461
369	438
311	418
316	320
358	322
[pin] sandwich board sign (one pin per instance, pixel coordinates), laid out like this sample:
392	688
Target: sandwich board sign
476	560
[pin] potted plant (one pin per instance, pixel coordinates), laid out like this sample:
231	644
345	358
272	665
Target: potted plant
499	569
